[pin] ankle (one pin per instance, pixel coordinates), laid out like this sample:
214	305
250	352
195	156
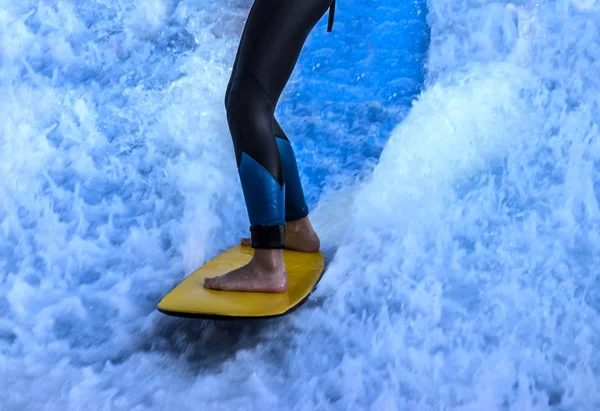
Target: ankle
269	259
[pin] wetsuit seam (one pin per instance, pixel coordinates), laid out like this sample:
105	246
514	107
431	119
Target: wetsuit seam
249	74
261	88
261	166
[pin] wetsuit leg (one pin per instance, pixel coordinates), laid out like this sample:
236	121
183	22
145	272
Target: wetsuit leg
295	204
273	37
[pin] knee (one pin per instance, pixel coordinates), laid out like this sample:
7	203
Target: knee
246	101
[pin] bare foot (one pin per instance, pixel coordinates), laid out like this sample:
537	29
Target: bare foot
264	273
299	236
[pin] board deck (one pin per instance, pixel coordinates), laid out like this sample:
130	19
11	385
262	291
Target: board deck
191	299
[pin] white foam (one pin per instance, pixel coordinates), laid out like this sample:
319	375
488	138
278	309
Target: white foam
461	273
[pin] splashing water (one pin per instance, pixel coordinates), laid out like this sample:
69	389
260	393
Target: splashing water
457	206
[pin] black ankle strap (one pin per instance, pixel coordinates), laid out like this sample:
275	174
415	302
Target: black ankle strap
268	236
331	14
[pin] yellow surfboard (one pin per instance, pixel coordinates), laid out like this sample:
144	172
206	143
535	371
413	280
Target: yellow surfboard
191	299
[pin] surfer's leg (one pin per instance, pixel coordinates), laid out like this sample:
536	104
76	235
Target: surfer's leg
269	49
299	233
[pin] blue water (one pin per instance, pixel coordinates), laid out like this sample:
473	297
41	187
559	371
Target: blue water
351	87
450	155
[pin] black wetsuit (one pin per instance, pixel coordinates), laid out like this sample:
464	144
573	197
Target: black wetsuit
271	42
